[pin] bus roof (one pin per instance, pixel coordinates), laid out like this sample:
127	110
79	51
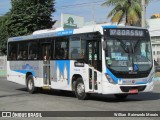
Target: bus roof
66	32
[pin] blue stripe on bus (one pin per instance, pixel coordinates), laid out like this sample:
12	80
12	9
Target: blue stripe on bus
115	79
65	32
25	71
110	26
64	69
141	82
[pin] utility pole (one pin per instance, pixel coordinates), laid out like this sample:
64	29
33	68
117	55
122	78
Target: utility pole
143	19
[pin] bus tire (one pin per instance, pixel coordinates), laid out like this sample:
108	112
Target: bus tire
80	89
30	85
121	96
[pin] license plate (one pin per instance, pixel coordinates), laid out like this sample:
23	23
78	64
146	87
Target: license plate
133	91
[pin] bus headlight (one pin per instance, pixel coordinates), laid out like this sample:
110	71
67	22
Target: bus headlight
109	78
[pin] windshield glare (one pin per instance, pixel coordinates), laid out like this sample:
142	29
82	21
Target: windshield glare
128	55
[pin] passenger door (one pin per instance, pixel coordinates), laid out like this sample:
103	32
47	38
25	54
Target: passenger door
46	52
95	63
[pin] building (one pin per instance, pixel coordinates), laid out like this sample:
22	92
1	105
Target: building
154	28
155	38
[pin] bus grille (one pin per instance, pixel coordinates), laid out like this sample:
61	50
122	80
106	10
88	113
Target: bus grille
124	75
127	88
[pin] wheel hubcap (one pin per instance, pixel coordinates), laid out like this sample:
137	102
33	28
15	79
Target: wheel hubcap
80	89
30	84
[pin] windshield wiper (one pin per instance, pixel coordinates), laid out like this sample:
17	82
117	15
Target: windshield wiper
125	48
135	46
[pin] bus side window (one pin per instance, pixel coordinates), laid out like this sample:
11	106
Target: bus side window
19	55
61	49
22	50
74	53
77	47
33	50
12	51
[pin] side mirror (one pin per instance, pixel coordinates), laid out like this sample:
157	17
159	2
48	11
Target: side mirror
104	45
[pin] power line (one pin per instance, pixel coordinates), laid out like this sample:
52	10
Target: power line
80	4
77	6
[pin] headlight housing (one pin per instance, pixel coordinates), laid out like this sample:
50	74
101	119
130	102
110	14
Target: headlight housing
109	78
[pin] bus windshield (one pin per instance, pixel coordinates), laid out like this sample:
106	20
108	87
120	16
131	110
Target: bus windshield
128	55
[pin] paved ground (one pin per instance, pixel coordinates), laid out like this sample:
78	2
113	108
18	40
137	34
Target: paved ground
14	97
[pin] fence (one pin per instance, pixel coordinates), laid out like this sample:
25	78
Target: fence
3	66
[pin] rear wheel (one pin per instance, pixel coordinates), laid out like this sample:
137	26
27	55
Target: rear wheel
121	96
80	89
30	85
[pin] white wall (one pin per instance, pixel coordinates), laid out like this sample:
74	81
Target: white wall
3	67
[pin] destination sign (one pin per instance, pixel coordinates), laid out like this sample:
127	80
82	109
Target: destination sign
126	32
122	32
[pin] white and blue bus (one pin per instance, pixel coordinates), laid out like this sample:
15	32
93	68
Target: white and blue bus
93	59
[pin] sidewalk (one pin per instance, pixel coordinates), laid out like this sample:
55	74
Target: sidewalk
3	77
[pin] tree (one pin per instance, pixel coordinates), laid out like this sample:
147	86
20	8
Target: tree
28	16
130	10
3	34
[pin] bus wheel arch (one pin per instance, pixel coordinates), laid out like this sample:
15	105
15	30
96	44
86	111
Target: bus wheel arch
27	74
74	78
30	83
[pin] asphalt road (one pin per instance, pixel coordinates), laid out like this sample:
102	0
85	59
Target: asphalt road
14	97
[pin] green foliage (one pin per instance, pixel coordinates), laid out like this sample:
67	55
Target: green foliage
25	17
125	10
30	15
3	35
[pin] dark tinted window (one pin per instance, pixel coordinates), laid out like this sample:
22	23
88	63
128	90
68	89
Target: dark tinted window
33	50
61	48
12	51
22	51
77	47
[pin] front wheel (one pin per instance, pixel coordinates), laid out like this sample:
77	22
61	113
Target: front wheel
121	96
80	89
30	85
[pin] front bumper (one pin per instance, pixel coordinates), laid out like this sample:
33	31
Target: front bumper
108	88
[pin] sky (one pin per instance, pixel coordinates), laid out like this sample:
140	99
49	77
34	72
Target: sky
84	8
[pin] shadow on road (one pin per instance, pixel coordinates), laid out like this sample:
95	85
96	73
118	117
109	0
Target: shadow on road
130	98
10	95
104	98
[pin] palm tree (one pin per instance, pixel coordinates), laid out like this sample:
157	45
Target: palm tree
130	10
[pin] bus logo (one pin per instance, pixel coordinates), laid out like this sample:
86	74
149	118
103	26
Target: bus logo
133	81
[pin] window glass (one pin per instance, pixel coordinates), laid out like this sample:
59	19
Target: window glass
77	47
12	51
32	50
61	48
121	54
158	52
22	51
153	52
